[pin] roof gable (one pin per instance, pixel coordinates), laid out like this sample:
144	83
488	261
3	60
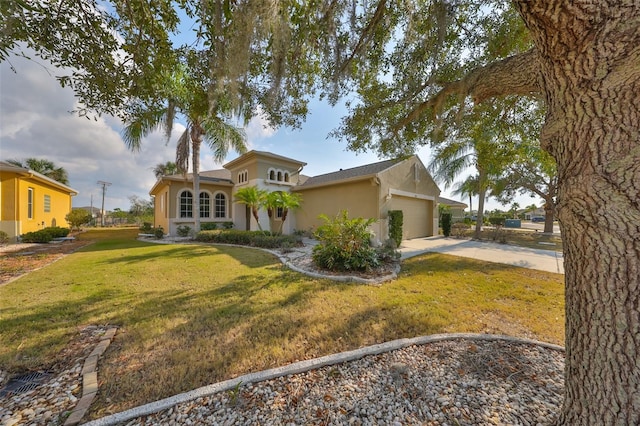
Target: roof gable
254	155
32	174
353	173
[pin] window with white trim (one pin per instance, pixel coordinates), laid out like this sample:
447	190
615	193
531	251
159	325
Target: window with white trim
186	204
30	203
205	205
220	205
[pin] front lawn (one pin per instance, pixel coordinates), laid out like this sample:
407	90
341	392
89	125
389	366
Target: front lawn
191	315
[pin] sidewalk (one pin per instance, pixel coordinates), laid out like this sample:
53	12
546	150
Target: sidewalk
544	260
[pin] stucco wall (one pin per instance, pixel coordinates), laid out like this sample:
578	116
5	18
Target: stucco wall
14	215
404	181
360	199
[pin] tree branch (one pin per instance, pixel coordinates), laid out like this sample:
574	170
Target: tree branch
515	75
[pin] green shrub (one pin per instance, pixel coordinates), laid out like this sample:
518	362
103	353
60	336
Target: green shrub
57	232
44	235
183	230
4	237
207	226
41	236
146	228
497	221
446	224
262	239
78	217
395	226
345	244
227	225
158	233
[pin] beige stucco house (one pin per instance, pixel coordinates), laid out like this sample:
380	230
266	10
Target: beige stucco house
456	208
368	191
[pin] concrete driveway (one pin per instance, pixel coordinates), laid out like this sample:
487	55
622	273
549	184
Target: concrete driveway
544	260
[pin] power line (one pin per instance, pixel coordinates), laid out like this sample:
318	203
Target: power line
104	190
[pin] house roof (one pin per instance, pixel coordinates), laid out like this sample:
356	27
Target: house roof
253	153
5	166
220	176
354	173
451	203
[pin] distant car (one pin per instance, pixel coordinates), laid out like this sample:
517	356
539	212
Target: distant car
537	219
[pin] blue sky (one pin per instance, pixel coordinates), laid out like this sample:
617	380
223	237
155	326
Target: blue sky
35	121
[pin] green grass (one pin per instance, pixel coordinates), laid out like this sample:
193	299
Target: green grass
518	237
191	315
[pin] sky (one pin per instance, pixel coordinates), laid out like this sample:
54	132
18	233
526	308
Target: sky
36	122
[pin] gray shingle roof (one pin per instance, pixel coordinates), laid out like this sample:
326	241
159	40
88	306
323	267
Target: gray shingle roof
452	203
346	174
207	175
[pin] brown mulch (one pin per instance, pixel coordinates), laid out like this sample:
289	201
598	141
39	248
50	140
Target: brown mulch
19	259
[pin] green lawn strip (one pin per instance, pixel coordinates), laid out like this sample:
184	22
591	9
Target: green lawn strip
191	315
520	237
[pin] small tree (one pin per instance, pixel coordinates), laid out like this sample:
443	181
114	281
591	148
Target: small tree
78	217
253	198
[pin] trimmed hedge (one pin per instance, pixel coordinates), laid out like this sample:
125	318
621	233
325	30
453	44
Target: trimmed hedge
396	218
446	224
262	239
45	235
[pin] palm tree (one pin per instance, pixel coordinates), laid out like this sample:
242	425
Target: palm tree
165	169
254	198
282	200
467	187
187	95
44	167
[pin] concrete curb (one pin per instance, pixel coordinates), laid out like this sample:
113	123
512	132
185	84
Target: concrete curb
301	367
90	378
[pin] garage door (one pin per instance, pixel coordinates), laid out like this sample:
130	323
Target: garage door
416	213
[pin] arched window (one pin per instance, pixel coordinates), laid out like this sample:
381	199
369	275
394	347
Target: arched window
205	205
221	205
279	176
286	176
272	175
186	204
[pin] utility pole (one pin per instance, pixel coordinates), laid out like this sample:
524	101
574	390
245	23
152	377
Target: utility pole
104	190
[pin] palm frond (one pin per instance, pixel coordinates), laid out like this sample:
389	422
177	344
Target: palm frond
222	136
144	123
183	149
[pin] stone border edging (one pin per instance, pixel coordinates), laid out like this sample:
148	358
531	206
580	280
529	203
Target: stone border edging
90	378
302	367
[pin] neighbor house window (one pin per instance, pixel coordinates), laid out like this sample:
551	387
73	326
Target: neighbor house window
47	203
30	203
205	206
272	175
286	176
186	204
221	205
279	212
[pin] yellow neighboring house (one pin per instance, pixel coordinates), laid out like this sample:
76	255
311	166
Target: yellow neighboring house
30	201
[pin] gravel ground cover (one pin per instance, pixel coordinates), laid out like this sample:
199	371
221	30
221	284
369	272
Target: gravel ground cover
456	382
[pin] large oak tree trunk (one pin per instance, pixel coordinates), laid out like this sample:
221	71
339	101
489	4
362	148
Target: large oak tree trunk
589	54
549	216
